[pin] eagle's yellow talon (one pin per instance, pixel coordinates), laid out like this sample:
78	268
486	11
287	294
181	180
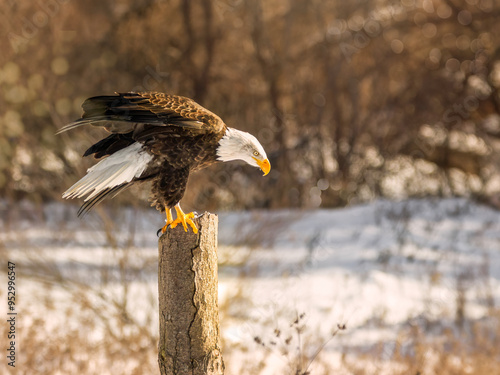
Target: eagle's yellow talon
169	220
190	216
184	219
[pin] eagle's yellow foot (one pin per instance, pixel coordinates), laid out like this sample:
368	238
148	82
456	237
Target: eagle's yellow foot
184	219
169	220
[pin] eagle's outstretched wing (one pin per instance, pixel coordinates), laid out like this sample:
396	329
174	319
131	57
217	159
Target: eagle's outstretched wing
134	112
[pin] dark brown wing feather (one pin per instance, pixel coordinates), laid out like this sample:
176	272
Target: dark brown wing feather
178	110
123	113
109	145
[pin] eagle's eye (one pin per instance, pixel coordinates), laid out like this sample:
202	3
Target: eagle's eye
256	153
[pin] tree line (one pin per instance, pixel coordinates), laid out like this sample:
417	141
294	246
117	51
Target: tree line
352	100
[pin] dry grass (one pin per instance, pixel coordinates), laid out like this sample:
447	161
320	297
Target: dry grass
96	331
80	318
449	351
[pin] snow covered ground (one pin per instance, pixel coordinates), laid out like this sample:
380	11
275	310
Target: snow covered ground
289	281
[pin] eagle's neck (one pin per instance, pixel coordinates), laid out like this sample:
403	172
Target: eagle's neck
232	145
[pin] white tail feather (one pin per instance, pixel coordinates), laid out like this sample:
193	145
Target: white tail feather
116	169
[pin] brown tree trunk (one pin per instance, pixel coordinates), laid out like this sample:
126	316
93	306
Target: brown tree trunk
189	312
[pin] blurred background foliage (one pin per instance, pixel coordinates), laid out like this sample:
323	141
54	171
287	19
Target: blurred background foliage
352	99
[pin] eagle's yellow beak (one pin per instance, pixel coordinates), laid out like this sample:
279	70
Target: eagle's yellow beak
264	165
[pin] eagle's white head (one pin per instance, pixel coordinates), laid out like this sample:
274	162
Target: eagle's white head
239	145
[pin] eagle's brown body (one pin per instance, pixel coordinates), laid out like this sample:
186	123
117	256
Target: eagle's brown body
174	161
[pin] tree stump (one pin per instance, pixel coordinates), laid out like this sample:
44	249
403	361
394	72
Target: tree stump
188	300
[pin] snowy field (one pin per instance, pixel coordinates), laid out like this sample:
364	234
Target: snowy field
372	289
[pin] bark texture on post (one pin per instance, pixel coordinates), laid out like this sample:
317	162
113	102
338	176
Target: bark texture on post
188	301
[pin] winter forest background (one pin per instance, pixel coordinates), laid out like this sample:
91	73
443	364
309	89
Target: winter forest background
352	99
387	111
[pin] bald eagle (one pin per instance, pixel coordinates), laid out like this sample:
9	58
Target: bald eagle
159	138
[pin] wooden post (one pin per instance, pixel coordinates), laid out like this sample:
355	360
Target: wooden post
188	301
